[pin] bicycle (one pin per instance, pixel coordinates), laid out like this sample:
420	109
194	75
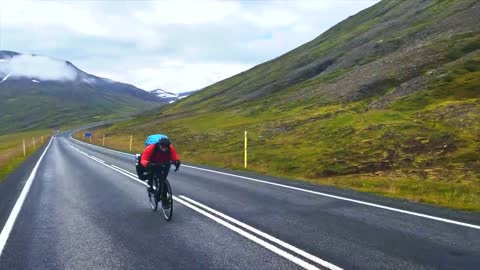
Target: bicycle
162	191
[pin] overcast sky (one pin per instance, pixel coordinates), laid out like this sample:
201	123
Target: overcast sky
174	45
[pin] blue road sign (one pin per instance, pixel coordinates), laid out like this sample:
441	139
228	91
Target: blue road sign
88	134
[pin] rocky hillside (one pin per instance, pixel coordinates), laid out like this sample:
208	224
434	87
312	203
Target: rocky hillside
386	101
388	51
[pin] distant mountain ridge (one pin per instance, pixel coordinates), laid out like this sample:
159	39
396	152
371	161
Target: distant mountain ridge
38	91
22	69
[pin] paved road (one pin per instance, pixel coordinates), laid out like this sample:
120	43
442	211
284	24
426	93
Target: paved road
85	210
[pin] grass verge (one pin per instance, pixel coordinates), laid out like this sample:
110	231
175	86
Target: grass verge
400	155
11	149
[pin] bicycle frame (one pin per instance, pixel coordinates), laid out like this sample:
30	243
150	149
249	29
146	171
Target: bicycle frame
163	190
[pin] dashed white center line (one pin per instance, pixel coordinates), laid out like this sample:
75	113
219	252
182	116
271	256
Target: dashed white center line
197	207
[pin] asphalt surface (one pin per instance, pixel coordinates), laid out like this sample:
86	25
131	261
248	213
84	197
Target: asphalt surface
85	211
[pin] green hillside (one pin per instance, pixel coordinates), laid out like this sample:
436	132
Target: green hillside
386	101
56	104
29	102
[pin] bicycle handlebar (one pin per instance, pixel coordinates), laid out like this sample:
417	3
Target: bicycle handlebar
154	164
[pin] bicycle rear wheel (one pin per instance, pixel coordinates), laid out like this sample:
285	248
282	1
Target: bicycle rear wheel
167	201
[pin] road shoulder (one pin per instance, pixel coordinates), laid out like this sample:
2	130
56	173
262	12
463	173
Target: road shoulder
13	184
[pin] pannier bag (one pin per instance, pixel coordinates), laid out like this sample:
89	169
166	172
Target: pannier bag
141	172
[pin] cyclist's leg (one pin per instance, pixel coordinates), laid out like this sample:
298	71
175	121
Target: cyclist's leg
164	174
167	170
150	182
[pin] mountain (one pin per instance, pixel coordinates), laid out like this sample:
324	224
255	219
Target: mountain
38	91
163	94
171	97
390	46
386	101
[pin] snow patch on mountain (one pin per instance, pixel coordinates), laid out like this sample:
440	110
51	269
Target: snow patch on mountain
90	80
5	78
164	94
39	67
171	97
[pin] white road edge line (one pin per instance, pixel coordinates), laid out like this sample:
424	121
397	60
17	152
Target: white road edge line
97	159
7	228
255	239
251	237
473	226
125	171
111	166
103	148
264	235
118	170
90	157
346	199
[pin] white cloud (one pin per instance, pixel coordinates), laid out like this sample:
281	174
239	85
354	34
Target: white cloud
40	67
270	15
76	17
187	12
173	45
174	74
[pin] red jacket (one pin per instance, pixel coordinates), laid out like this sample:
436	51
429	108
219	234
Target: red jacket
159	157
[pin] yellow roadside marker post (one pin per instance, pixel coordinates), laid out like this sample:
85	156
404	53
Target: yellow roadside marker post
131	139
245	149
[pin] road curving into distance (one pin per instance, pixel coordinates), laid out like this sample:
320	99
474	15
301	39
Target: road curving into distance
84	208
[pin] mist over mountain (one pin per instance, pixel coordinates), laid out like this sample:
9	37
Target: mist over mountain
39	91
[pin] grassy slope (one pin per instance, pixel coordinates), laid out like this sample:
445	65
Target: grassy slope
364	56
396	112
27	107
11	149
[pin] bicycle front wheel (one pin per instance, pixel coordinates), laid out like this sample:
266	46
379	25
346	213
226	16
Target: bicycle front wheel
167	201
153	197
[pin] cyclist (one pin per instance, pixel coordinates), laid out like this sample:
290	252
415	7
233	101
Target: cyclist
161	152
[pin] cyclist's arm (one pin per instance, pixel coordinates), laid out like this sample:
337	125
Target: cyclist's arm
147	153
173	153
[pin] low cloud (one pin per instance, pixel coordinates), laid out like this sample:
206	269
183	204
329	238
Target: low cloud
39	67
181	76
205	40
